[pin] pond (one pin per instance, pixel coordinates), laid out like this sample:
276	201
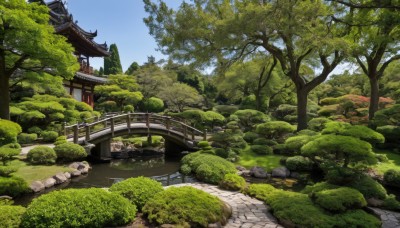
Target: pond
103	175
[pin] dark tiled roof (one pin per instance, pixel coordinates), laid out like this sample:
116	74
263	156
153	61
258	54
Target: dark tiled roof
91	78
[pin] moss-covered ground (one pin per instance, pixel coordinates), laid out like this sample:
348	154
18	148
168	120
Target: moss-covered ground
249	159
393	163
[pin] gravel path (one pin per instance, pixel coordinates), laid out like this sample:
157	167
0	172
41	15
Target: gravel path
390	219
247	212
25	150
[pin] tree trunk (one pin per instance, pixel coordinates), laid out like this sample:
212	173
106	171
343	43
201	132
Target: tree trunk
374	98
301	109
258	101
4	89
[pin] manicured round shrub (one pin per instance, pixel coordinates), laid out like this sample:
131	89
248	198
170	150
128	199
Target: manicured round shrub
391	203
308	132
41	155
128	108
390	132
296	142
261	149
340	175
356	218
261	191
221	152
250	136
25	138
153	104
90	207
204	145
49	136
12	145
5	171
226	110
137	190
392	177
369	187
13	186
208	168
249	117
185	169
60	140
356	131
10	216
275	129
317	124
35	129
186	207
320	186
8	132
388	116
263	141
299	163
70	152
339	199
233	182
8	154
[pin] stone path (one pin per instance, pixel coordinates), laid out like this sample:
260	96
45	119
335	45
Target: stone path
247	212
390	219
25	150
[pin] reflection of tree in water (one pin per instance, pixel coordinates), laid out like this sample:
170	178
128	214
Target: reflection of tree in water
138	163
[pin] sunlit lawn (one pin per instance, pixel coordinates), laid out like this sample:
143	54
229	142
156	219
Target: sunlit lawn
393	163
32	173
249	159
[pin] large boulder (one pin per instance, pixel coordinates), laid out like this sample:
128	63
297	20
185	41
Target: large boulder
258	172
60	178
75	173
37	186
280	172
117	146
49	182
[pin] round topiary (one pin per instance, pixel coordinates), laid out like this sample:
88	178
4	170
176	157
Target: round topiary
5	171
138	190
275	129
369	187
185	169
186	207
296	142
299	163
13	186
232	182
70	152
8	154
60	140
263	141
25	138
92	207
49	136
250	136
10	216
8	132
41	155
339	199
261	149
35	129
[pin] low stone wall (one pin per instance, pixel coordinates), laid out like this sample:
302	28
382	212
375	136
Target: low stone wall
78	168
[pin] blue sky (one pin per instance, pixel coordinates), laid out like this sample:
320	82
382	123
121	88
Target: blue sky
119	22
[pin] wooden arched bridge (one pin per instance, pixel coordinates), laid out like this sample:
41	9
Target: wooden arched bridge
100	131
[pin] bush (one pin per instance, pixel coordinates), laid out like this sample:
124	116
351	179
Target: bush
137	190
261	191
382	157
60	140
25	138
299	163
185	169
8	132
49	136
10	216
320	186
263	141
223	153
208	168
12	146
356	218
5	171
356	131
226	110
339	199
317	124
13	186
392	177
340	175
233	182
8	154
249	117
153	104
388	116
296	142
69	152
261	149
369	187
41	155
275	129
308	132
186	207
249	136
391	203
79	208
390	132
128	108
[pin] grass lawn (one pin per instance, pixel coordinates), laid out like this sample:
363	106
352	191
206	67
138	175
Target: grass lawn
393	163
249	159
31	173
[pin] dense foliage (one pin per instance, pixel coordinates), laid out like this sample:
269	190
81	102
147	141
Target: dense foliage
13	186
41	155
185	206
232	182
79	208
8	132
70	152
10	216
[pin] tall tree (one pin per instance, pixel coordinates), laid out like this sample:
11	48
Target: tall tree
132	68
29	43
112	63
297	33
374	26
179	95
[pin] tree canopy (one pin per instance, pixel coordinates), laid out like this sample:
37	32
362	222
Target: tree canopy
112	63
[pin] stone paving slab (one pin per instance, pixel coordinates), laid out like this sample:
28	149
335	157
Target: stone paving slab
247	212
390	219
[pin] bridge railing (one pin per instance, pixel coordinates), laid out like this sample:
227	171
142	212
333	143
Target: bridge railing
85	130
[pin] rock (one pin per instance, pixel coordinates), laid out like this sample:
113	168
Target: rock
37	186
245	173
258	172
49	182
217	129
215	225
117	146
77	165
295	175
280	172
240	168
85	170
287	223
60	178
75	173
67	175
375	202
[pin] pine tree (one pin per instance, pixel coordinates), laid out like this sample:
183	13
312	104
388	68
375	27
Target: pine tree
112	63
132	68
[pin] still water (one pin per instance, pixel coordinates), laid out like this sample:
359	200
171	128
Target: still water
103	175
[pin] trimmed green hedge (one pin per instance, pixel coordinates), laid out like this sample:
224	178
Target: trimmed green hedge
186	207
233	182
339	199
138	190
70	152
41	155
5	171
25	138
13	186
78	208
357	131
208	168
261	149
10	216
8	154
299	163
49	136
8	132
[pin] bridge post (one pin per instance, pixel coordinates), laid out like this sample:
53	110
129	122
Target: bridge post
112	126
185	131
105	149
205	135
167	123
87	129
147	119
128	122
76	136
